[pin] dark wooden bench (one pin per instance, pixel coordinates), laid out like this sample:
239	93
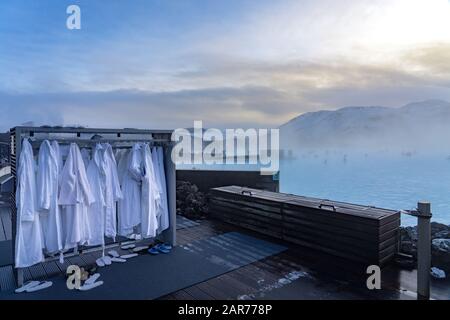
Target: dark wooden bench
363	234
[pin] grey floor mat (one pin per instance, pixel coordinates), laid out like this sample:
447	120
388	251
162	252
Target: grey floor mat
150	277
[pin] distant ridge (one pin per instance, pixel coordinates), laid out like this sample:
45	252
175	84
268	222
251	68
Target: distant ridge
424	124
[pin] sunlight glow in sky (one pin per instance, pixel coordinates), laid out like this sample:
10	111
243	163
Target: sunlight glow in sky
164	63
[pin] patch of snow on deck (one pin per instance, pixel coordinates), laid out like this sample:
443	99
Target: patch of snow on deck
287	279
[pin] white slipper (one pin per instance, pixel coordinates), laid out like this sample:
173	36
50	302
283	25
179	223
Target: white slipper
107	260
128	256
92	279
26	286
118	260
44	285
141	248
113	253
87	287
100	262
135	236
128	246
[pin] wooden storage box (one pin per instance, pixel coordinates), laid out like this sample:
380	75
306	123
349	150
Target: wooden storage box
362	234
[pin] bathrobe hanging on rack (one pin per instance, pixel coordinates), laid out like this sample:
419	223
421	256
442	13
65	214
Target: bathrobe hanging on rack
156	178
29	242
58	153
119	154
122	158
130	205
96	211
75	196
47	190
150	195
113	192
159	208
164	213
86	155
122	169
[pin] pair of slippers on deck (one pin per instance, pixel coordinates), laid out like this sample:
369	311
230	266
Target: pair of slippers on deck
91	283
160	248
113	256
34	286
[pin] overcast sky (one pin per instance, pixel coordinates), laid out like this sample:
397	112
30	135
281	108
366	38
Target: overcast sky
230	63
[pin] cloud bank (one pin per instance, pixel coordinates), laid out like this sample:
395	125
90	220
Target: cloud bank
231	64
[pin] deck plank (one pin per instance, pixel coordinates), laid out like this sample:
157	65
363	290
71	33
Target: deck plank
37	272
228	287
51	268
5	216
89	258
76	260
7	278
2	232
212	291
198	294
63	266
2	228
252	278
27	274
182	295
168	297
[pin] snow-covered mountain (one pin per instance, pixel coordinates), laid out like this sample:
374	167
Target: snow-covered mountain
420	125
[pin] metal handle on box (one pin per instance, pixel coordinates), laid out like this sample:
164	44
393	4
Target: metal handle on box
327	206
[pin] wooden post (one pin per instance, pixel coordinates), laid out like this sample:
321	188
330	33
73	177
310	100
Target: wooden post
423	250
170	235
16	147
19	277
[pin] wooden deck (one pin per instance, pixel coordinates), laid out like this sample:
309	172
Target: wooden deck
297	273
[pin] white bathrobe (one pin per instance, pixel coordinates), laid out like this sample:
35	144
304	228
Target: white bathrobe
130	205
96	211
113	192
29	242
123	157
47	190
86	155
150	195
58	153
75	196
157	179
164	221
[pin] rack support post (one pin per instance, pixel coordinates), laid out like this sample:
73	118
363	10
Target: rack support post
19	277
423	250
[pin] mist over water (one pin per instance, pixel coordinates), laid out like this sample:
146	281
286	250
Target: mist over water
393	181
384	157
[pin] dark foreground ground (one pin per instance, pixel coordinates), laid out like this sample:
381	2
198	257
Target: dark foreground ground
296	273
